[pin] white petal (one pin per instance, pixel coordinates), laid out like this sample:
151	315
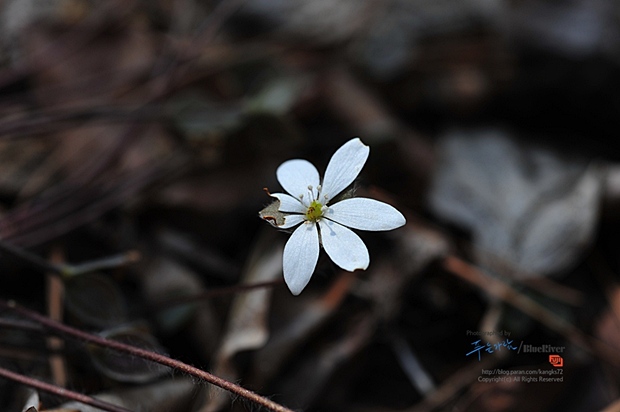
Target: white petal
296	175
343	246
291	220
365	214
289	203
344	166
301	253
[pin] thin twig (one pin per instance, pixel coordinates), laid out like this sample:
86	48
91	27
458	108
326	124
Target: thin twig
33	260
108	262
453	385
64	269
226	290
530	307
55	310
109	199
20	325
62	392
144	354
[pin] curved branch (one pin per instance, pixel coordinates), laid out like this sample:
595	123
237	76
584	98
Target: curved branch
62	392
144	354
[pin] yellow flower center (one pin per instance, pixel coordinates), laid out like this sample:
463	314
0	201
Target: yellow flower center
314	212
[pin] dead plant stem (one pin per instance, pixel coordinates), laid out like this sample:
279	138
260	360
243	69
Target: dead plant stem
530	307
60	391
144	354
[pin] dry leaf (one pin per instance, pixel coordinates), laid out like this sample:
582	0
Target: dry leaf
528	208
247	327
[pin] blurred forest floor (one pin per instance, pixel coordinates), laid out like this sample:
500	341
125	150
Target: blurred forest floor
135	142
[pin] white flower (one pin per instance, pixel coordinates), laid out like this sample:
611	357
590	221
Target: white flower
323	222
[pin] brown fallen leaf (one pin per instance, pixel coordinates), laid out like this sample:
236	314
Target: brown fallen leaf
247	327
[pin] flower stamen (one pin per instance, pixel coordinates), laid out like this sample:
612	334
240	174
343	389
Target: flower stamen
314	212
